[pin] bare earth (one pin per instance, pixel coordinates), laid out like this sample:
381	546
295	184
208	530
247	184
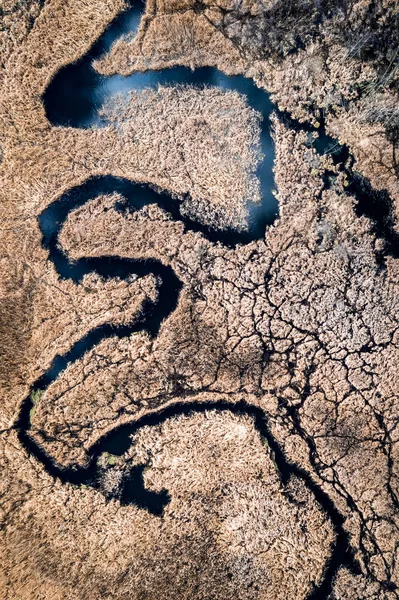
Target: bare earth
302	324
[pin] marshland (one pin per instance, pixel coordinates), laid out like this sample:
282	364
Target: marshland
199	316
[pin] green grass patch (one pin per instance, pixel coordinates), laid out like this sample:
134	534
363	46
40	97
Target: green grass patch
108	459
35	397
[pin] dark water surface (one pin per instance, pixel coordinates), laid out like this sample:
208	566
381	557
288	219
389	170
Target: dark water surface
73	98
77	92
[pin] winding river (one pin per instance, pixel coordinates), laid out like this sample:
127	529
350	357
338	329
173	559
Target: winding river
73	98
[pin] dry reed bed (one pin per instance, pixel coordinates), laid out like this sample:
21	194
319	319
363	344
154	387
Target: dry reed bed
220	177
227	532
320	263
304	317
322	75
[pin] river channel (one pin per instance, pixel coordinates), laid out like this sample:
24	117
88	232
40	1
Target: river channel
73	99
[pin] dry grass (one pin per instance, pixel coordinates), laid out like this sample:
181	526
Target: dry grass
40	162
204	142
218	552
302	323
211	342
16	22
170	39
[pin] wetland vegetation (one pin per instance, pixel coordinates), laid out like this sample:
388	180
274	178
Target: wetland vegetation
207	281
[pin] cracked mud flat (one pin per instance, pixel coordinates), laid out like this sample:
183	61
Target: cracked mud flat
246	445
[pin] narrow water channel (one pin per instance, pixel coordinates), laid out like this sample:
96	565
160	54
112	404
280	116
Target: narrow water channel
73	99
